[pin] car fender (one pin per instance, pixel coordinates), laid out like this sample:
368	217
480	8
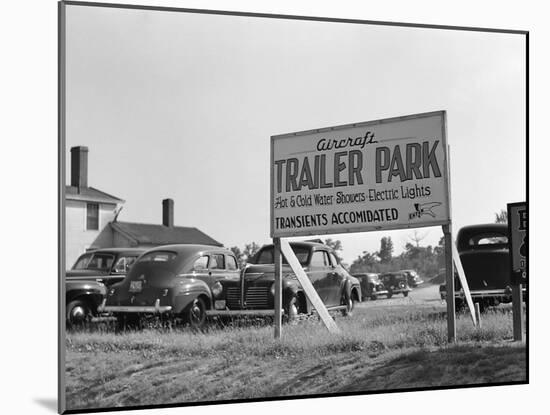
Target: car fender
346	291
90	291
357	290
76	289
188	290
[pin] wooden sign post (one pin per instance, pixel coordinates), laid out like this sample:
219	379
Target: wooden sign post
278	287
449	284
464	283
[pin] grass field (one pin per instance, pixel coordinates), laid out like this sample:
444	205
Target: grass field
397	346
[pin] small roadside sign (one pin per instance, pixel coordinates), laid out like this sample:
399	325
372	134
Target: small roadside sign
519	252
517	227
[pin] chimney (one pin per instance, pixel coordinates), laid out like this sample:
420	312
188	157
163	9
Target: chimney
79	166
168	213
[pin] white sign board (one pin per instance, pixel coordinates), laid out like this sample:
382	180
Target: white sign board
384	174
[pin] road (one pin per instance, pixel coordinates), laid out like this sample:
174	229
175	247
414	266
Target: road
424	294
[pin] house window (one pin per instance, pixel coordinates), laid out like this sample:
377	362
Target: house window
92	217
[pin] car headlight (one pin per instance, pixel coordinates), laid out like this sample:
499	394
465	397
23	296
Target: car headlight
273	289
217	289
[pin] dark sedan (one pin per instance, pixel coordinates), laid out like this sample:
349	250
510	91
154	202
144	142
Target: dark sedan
255	292
85	282
485	257
413	278
371	286
178	281
396	283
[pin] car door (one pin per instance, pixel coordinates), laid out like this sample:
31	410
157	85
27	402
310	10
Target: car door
319	274
216	268
232	271
337	278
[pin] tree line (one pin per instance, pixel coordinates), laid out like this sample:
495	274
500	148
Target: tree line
428	261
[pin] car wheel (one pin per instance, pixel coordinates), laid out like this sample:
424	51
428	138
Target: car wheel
292	310
78	313
348	302
405	293
195	314
389	294
373	297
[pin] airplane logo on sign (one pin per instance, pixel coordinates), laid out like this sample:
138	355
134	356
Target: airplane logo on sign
424	209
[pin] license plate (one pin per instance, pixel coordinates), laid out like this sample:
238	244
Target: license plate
135	286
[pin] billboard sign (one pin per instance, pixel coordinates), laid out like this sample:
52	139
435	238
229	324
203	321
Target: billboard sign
384	174
517	229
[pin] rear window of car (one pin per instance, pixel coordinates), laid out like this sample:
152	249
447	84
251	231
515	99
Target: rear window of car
492	239
158	256
95	261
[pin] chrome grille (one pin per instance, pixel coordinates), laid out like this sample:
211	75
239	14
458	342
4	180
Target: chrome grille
257	297
233	297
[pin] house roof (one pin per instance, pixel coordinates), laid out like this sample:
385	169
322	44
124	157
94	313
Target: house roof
143	233
90	194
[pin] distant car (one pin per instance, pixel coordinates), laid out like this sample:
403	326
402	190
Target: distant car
86	281
396	283
484	254
371	286
413	278
82	299
255	292
181	282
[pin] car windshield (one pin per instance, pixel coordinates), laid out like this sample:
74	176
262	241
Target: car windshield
97	261
266	255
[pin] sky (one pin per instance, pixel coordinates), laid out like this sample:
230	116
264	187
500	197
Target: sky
183	106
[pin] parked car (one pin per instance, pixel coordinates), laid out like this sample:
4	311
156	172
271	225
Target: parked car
413	278
106	265
396	283
371	286
86	281
255	291
181	282
485	258
82	299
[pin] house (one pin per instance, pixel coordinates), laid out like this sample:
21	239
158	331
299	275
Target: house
144	235
91	219
87	210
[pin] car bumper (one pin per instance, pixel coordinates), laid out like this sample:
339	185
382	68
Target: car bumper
381	292
156	309
400	290
483	294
